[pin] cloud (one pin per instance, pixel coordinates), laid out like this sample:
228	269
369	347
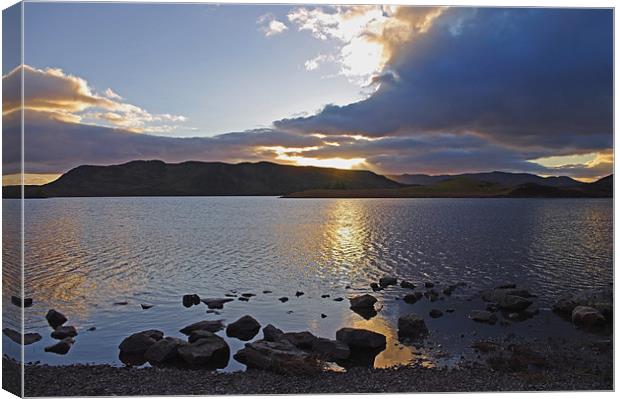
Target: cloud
68	98
364	36
270	26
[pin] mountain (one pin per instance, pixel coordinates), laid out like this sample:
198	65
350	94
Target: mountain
156	178
503	178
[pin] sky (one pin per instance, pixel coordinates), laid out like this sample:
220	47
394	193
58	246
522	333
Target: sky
387	88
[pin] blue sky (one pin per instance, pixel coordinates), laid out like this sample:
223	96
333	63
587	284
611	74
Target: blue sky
387	88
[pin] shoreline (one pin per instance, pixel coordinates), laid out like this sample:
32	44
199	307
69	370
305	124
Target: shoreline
555	365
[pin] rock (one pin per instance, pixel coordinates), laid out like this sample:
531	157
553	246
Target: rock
387	281
339	299
360	338
599	299
62	347
164	351
64	332
283	299
230	295
145	306
375	287
55	318
483	316
267	291
211	351
496	295
513	303
15	336
280	357
121	303
514	316
216	303
323	315
190	300
244	329
531	310
272	333
325	296
492	307
17	301
330	350
199	334
449	310
301	340
363	301
243	299
435	313
484	346
206	325
248	295
413	298
587	316
138	343
411	326
428	284
93	328
407	284
299	293
508	285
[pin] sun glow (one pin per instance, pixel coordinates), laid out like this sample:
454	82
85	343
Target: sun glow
293	156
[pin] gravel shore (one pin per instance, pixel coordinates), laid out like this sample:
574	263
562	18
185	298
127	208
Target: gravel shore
567	367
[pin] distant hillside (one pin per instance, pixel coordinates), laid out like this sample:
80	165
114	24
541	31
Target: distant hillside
464	187
156	178
503	178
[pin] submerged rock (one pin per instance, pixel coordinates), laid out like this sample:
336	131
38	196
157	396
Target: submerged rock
497	294
15	336
62	347
412	326
587	316
513	303
55	318
164	351
244	329
216	303
206	325
413	298
360	338
387	281
483	316
64	332
407	284
435	313
363	301
138	343
209	351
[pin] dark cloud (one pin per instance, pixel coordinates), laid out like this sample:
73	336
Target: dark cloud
520	78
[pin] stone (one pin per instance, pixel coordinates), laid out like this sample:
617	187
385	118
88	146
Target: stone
339	299
248	295
17	301
211	352
64	332
412	326
206	325
283	299
435	313
121	303
244	329
62	347
216	303
138	343
599	299
587	316
407	284
301	340
513	303
484	346
15	336
386	281
412	298
272	333
190	300
428	284
55	318
323	315
330	350
363	301
483	316
299	293
496	295
243	299
375	287
531	310
145	306
449	310
507	285
198	334
360	338
164	351
325	296
280	357
267	291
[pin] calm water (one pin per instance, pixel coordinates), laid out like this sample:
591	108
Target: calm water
85	254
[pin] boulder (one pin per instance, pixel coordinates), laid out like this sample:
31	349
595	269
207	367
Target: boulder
15	336
271	333
513	303
483	316
64	332
55	318
164	351
301	340
435	313
360	338
599	299
190	300
61	347
216	303
209	351
407	284
387	281
412	326
138	343
206	325
17	301
280	357
587	316
244	329
365	301
330	350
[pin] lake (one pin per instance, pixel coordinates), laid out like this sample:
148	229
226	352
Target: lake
84	255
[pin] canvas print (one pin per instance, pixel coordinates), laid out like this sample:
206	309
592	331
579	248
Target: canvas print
216	199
